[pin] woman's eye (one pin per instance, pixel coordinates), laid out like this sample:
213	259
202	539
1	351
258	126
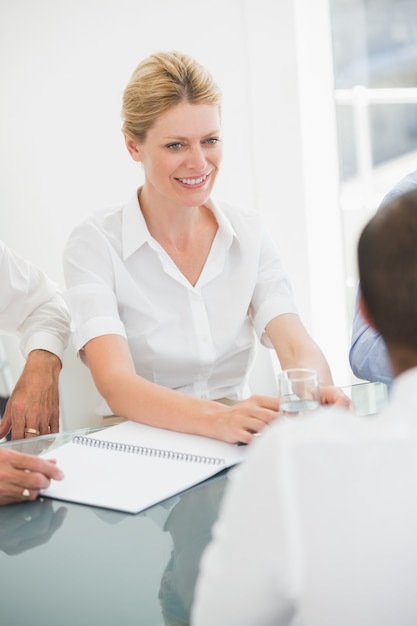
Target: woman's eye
212	140
174	146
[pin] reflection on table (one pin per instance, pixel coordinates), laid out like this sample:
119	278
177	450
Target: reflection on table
29	524
84	565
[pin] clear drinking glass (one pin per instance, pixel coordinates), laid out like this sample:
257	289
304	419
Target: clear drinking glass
298	391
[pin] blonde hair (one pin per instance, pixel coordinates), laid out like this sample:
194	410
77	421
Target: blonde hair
160	82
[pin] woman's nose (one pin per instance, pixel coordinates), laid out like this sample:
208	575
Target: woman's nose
197	159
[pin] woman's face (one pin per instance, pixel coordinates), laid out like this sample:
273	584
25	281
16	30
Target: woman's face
181	154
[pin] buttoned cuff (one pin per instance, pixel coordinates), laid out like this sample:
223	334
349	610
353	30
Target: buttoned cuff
43	341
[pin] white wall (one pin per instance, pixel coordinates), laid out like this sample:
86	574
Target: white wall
63	67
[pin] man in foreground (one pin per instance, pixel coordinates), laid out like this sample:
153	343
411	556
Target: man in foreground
318	525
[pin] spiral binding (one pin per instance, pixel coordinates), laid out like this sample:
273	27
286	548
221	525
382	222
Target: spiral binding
145	451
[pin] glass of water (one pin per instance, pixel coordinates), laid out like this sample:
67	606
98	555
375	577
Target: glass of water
298	391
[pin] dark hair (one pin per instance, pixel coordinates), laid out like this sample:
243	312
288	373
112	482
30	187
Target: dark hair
387	260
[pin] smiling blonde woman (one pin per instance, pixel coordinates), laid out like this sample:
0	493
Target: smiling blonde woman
170	291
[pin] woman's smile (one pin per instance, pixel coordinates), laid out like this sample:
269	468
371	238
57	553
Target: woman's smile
194	182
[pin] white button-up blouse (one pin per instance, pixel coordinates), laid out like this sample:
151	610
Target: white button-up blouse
196	339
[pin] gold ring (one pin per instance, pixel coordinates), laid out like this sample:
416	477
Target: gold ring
25	494
32	431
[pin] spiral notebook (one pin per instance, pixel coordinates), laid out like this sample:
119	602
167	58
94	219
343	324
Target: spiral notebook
130	467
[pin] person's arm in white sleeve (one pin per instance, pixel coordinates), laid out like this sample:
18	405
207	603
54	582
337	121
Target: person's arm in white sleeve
32	308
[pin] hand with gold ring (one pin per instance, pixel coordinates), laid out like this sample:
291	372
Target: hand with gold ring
22	476
33	406
32	431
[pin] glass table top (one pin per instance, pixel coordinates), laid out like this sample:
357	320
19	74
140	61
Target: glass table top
64	564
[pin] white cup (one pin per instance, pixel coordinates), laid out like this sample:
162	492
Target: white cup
298	391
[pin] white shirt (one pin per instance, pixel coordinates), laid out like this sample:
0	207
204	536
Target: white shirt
196	339
31	306
318	526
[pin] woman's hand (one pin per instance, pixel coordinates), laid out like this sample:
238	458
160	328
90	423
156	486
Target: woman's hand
240	422
333	395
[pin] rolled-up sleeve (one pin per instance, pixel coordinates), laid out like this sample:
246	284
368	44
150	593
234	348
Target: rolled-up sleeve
273	294
31	306
90	293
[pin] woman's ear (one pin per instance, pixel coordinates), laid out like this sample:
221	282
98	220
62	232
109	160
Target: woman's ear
133	148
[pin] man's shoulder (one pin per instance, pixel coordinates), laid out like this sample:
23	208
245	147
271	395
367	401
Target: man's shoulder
408	183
